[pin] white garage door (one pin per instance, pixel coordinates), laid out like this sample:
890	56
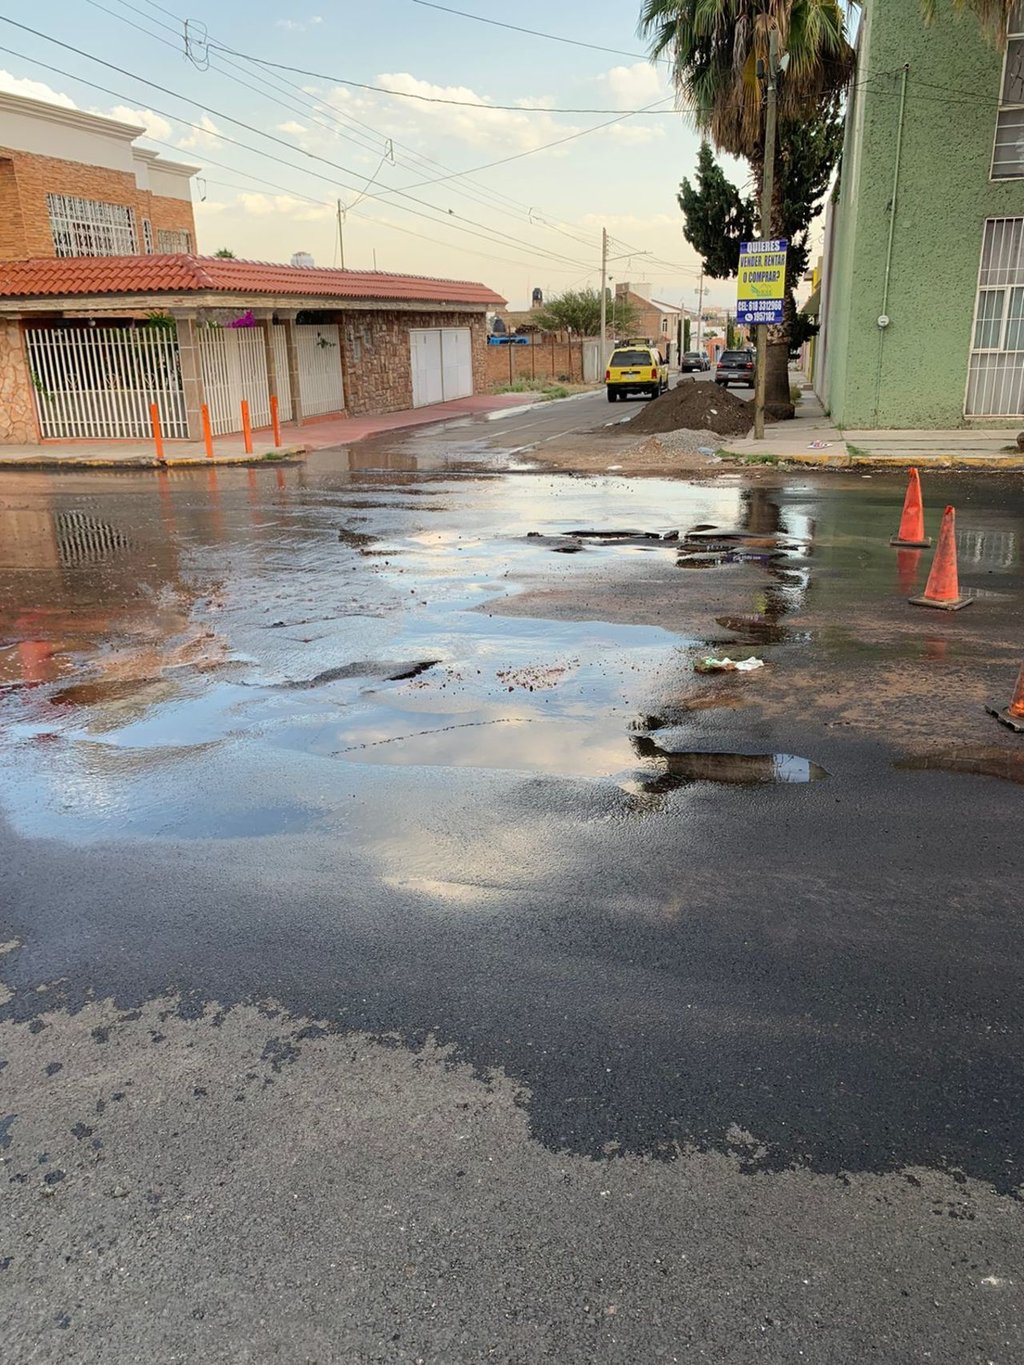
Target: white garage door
442	364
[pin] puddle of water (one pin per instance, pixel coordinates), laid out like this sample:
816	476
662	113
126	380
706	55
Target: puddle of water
1005	764
680	768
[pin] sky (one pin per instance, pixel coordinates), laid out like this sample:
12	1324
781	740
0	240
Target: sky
315	137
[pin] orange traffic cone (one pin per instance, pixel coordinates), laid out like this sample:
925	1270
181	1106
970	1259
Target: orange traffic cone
943	586
1012	715
911	532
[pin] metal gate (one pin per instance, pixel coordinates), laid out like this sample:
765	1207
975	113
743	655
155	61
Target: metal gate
442	364
95	383
234	366
319	353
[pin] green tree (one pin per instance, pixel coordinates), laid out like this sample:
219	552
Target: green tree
716	48
226	254
579	311
686	334
717	217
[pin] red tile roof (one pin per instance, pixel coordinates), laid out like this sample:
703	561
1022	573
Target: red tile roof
80	275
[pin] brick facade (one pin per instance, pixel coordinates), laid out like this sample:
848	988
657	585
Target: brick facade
545	358
377	360
26	179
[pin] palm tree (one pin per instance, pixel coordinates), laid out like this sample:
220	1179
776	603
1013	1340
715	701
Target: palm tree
992	15
715	47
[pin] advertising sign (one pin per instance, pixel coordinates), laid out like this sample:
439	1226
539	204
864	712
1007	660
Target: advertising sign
761	283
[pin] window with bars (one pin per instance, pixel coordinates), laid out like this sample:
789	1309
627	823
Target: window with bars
1008	153
147	236
88	227
173	241
995	382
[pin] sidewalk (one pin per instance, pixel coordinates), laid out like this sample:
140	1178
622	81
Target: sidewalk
810	439
296	441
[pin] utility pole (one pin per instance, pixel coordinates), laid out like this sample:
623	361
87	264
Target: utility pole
767	190
700	309
604	300
341	235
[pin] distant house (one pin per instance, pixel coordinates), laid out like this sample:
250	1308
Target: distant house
658	322
922	291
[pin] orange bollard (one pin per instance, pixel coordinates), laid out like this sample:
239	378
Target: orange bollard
246	426
1012	715
911	532
943	586
204	412
276	421
158	440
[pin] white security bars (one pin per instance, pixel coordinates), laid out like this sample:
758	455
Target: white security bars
1008	153
320	385
87	227
995	381
95	383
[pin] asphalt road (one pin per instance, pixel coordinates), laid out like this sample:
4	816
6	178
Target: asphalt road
397	962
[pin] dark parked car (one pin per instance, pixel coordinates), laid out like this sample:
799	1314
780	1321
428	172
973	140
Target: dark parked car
735	367
693	360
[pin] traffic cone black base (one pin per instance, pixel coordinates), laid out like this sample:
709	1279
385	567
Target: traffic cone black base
1003	716
924	544
957	604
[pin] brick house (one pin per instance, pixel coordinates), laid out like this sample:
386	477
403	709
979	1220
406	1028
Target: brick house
75	184
88	343
658	322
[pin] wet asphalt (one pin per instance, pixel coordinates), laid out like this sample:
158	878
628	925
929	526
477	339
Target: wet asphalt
405	955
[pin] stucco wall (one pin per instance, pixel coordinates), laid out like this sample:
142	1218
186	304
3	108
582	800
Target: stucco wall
914	373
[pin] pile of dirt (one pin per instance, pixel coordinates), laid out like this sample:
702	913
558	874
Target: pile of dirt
696	407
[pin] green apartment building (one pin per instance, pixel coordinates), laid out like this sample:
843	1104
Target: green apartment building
923	282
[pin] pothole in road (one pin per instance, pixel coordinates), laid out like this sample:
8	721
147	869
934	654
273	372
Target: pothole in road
679	768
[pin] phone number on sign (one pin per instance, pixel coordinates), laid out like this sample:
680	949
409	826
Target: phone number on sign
762	317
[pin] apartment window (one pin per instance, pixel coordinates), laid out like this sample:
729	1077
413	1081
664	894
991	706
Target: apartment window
995	381
664	326
1008	155
87	227
172	241
147	236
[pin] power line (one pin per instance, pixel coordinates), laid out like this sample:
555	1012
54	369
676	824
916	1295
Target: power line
479	194
435	99
534	33
539	252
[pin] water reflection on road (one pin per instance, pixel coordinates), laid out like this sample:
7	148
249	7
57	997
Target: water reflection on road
361	618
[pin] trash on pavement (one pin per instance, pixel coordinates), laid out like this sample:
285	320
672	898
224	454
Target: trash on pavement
727	665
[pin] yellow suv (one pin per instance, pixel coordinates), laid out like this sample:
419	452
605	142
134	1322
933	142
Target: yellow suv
635	367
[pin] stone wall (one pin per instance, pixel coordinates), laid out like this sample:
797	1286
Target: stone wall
26	179
17	406
377	361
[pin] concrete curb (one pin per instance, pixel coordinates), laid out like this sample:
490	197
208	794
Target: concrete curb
827	460
285	454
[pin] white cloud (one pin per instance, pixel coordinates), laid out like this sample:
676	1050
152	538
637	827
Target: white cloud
154	124
299	25
290	126
633	87
481	126
34	90
633	133
204	136
296	210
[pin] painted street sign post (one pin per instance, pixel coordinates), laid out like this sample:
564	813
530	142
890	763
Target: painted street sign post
761	284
